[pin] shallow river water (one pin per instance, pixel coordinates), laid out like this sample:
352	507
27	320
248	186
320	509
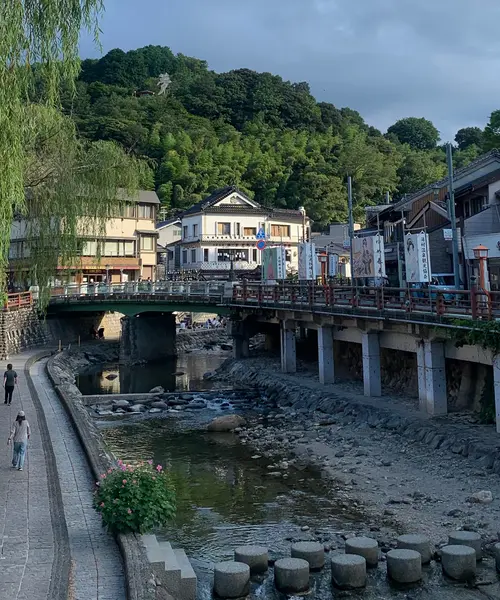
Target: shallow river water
226	498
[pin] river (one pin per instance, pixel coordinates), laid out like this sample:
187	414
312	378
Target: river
227	498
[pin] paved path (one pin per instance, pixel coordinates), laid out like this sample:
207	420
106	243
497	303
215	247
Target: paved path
47	522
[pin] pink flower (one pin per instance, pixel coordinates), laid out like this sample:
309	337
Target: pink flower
110	470
159	468
102	504
120	462
124	481
103	476
150	462
134	480
129	511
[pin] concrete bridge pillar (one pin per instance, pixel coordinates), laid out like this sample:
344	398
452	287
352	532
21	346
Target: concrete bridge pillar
148	337
371	364
241	339
288	349
431	368
496	384
325	355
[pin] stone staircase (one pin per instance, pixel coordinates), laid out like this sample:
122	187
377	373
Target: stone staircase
172	567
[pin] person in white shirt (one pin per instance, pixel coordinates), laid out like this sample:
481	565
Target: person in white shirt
19	434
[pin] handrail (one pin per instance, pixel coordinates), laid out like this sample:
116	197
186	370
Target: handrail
330	298
17	301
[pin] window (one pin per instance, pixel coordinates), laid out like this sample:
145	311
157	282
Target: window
146	211
184	257
254	255
129	248
185	231
89	248
224	255
205	255
238	229
280	230
128	211
193	255
250	231
147	243
195	230
110	249
224	228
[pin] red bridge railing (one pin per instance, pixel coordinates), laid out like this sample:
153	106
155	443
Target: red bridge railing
17	301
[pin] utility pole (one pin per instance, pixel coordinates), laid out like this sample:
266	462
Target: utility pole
351	225
451	214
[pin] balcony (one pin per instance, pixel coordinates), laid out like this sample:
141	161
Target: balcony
233	238
238	265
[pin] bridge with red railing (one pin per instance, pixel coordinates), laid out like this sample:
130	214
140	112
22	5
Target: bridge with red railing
14	302
401	304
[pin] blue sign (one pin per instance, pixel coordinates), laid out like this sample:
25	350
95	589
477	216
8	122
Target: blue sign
261	234
261	244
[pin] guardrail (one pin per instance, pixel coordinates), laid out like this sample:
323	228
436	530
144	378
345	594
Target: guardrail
17	301
367	301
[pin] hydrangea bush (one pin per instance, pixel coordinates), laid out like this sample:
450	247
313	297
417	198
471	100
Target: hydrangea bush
134	498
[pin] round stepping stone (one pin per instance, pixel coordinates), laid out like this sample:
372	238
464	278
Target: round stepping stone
496	549
348	571
459	562
404	566
467	538
365	547
256	557
420	543
231	579
313	552
291	575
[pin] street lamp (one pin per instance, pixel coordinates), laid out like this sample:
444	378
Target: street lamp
481	254
108	267
302	211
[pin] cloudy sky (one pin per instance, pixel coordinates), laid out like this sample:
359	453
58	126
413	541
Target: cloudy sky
388	59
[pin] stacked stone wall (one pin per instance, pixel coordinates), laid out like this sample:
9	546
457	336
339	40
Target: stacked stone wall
19	330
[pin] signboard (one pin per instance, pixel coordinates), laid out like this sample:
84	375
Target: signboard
417	258
261	234
368	257
346	244
273	264
333	265
261	244
448	235
308	263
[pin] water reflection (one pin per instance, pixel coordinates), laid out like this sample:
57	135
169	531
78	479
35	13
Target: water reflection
138	379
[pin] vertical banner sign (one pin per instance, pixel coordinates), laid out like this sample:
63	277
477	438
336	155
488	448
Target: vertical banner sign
417	258
333	265
368	257
308	264
273	264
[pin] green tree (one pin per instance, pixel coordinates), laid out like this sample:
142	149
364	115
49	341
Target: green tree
469	136
418	133
418	169
491	138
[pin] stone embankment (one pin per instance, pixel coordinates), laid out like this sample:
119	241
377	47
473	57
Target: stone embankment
403	471
202	339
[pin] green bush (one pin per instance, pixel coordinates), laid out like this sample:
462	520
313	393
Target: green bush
134	499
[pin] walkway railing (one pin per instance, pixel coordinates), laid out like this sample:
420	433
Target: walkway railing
17	301
401	303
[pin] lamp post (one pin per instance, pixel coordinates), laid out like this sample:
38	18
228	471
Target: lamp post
302	211
231	266
481	254
107	277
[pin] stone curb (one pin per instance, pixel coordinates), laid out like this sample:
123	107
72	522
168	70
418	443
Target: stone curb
138	574
350	410
59	579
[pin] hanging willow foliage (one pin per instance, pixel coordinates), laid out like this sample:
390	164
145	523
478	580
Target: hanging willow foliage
61	185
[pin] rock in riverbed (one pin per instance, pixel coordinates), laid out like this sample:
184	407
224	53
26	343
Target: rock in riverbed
226	423
111	376
157	390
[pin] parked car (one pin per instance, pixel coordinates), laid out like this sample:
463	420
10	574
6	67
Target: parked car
442	283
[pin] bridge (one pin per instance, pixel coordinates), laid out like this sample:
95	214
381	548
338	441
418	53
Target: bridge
386	324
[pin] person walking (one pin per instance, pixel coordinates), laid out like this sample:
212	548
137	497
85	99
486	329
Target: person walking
9	382
19	434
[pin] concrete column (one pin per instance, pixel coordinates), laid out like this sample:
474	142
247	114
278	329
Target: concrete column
325	355
241	347
371	364
148	337
496	383
288	350
422	389
436	402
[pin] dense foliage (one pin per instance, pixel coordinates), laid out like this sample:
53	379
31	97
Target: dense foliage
268	136
135	499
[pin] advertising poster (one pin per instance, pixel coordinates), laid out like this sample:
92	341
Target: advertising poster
417	258
273	264
308	263
333	265
368	257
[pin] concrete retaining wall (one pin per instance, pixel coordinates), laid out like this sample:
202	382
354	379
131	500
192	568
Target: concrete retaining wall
19	330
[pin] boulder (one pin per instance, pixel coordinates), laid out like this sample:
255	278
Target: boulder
120	403
161	405
197	405
482	497
177	402
157	390
111	376
226	347
226	423
136	408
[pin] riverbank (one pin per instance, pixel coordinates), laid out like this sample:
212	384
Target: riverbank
407	473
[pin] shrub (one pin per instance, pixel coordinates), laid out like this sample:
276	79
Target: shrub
134	499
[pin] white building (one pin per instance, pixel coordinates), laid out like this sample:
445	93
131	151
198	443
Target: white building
169	234
223	228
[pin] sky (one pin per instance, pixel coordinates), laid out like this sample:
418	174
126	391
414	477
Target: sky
387	59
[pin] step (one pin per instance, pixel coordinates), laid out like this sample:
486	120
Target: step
188	576
172	569
149	541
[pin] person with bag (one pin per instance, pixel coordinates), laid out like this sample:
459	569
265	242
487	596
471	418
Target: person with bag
9	382
19	434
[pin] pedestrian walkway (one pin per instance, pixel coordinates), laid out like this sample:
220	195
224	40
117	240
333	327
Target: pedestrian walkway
47	523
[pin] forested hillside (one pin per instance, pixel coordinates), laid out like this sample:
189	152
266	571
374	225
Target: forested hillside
268	136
